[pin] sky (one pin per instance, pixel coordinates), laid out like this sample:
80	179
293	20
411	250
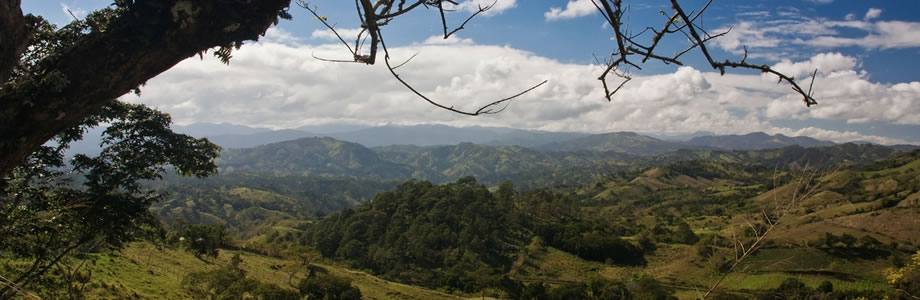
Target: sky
867	54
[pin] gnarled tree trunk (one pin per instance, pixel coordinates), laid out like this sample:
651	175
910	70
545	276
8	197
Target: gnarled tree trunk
147	39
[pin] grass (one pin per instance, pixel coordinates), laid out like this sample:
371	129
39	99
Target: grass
767	281
153	273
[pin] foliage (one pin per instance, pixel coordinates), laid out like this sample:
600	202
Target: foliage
53	207
452	235
322	285
230	282
203	239
907	278
590	242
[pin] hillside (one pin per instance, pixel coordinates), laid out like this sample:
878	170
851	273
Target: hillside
147	271
254	205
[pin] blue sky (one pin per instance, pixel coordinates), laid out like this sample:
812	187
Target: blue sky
866	52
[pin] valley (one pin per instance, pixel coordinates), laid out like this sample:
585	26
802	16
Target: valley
549	216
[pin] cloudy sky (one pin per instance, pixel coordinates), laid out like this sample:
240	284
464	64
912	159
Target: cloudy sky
867	54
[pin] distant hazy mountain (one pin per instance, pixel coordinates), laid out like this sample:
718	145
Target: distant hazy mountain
755	141
212	129
794	156
311	156
625	142
326	129
903	147
434	134
259	138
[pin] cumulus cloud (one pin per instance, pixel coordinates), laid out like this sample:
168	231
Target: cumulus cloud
825	63
574	9
282	86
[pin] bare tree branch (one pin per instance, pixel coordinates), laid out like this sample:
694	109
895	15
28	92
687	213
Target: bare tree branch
483	110
628	53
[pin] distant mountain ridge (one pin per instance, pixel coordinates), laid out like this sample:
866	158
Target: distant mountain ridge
755	141
625	142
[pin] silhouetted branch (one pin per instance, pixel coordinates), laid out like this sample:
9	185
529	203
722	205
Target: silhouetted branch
374	15
483	110
629	51
688	25
444	21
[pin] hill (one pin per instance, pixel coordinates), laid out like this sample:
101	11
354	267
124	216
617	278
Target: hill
434	134
491	164
250	140
625	142
311	157
250	206
754	141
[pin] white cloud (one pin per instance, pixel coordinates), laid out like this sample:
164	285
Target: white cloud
77	12
822	1
472	6
349	34
440	40
825	63
574	9
280	36
872	14
282	86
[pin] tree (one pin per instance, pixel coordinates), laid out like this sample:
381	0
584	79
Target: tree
685	235
51	80
304	256
906	280
204	239
322	285
52	207
230	282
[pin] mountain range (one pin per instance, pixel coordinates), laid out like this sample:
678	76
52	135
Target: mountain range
231	136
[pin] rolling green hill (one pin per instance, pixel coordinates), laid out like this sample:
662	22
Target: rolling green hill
311	157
